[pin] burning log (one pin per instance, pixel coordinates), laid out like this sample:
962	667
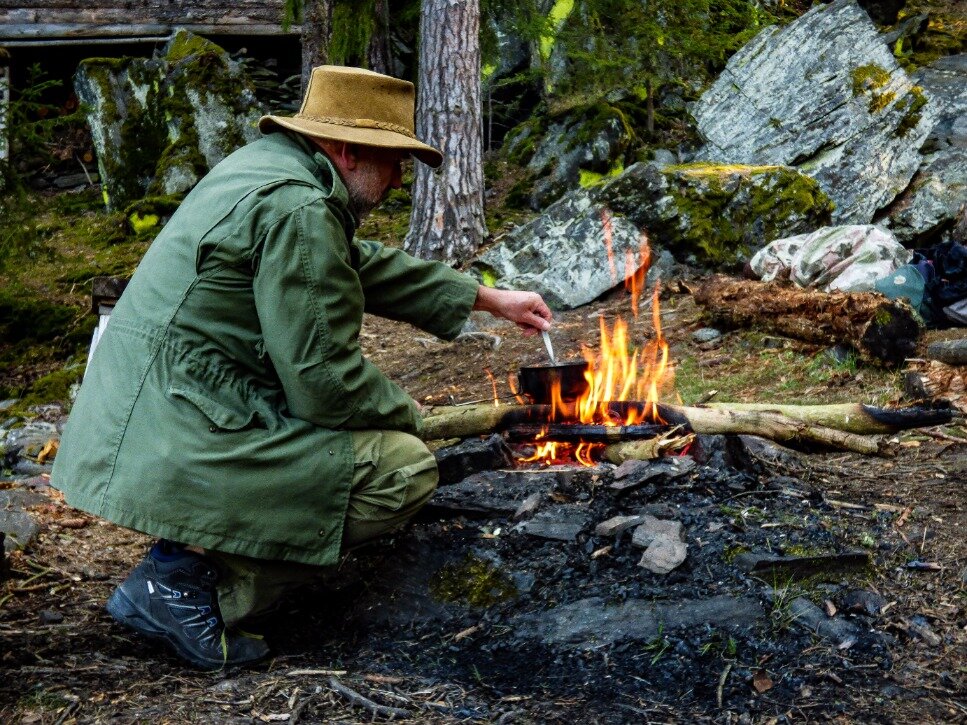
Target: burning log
880	330
579	433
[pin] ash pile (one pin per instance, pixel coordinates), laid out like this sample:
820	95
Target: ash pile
721	579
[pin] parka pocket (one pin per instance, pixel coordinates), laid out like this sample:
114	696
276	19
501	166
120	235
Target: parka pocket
221	416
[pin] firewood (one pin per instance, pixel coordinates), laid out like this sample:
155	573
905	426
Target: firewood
579	433
477	420
851	417
949	352
879	329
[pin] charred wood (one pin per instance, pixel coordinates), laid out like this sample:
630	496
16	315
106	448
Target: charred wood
579	433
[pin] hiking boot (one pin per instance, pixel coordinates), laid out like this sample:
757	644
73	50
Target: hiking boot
176	601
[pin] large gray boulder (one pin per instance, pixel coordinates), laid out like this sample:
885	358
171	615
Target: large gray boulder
939	189
159	124
826	95
562	254
709	214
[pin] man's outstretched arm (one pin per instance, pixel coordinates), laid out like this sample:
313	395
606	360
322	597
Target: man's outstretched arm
526	309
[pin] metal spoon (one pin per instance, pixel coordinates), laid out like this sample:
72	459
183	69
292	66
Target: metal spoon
550	348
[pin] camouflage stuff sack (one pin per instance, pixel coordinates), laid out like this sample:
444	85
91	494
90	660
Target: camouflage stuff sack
843	259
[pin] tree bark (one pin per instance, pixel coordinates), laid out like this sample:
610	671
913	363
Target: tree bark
378	55
949	352
880	330
316	34
447	221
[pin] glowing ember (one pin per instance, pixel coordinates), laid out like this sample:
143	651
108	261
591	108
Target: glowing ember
617	371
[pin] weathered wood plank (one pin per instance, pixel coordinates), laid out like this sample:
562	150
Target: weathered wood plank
40	31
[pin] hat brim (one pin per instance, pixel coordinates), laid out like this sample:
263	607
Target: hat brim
381	138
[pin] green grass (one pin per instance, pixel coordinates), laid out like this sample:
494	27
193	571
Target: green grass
753	373
51	247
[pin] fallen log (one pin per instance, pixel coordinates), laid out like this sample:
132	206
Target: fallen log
949	352
478	420
851	417
879	329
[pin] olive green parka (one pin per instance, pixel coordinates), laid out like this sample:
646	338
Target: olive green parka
217	406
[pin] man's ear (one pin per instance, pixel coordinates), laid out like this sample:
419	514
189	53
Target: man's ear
349	155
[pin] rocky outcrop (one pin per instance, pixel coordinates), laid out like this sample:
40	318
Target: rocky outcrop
713	214
563	254
577	150
823	94
709	214
159	124
939	189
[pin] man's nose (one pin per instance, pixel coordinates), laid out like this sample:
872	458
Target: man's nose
397	181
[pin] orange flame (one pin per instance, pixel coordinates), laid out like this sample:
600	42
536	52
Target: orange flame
493	383
617	371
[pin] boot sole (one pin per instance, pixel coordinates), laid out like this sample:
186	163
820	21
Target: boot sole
127	613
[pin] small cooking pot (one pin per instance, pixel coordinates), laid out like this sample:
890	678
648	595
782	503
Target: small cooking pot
538	381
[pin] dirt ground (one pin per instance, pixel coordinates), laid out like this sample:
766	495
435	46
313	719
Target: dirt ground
62	658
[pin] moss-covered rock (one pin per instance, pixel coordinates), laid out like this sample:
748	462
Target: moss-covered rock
160	124
717	214
580	147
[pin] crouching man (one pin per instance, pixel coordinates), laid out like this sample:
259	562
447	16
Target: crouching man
228	409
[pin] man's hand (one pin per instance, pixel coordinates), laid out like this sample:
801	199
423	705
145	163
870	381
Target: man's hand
526	309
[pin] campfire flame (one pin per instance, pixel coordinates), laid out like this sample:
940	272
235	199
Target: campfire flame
617	370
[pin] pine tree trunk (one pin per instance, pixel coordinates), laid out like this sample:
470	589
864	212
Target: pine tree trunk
316	34
378	56
447	222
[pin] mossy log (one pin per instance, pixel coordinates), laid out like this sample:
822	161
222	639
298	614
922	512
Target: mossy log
879	329
478	420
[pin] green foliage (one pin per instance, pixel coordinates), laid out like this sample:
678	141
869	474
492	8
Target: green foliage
639	45
32	124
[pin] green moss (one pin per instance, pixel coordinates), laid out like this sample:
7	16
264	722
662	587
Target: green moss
488	277
559	12
725	210
185	44
143	224
729	553
474	582
868	77
148	215
53	387
913	105
879	101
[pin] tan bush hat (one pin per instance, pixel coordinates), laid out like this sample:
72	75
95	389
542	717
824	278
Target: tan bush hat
357	106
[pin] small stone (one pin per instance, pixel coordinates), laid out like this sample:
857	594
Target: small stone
616	524
804	613
652	528
663	555
918	627
863	602
51	616
528	506
706	334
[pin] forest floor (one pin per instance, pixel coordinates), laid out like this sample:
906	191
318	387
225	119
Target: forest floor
384	628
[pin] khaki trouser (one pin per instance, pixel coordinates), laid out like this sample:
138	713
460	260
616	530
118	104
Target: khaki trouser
394	476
